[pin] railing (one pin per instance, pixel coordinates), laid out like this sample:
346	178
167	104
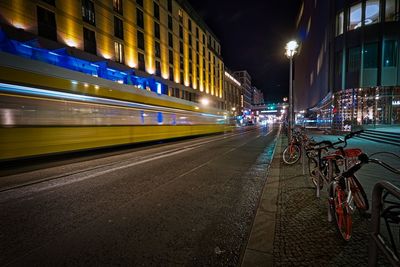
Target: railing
385	206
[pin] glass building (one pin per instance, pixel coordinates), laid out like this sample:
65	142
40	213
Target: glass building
361	57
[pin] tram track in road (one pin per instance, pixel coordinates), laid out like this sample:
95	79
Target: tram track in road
196	197
116	164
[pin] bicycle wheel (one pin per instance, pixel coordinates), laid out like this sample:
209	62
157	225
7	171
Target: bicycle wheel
341	211
359	196
291	154
314	173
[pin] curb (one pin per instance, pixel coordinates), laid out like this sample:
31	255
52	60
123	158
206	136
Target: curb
260	245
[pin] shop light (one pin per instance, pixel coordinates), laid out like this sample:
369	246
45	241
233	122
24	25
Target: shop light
205	101
159	89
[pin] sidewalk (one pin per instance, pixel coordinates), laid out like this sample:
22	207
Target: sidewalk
291	227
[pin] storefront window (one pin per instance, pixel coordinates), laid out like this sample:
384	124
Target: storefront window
371	55
353	63
371	12
354	17
389	53
391	10
339	23
396	106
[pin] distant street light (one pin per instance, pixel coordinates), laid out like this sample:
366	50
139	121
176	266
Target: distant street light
205	101
290	52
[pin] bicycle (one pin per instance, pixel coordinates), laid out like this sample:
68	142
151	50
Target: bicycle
292	153
325	170
342	197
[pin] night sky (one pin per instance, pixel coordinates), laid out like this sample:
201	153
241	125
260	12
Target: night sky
253	35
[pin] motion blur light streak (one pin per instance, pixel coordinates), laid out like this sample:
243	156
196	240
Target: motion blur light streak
84	98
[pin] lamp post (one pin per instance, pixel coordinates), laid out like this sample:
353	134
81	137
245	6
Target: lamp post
290	52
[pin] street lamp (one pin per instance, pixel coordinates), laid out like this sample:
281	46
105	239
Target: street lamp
290	52
204	101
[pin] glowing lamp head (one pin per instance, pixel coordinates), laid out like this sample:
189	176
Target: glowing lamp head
131	64
71	43
205	101
291	49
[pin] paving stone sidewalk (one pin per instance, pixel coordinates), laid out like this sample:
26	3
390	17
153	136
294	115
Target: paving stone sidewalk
291	226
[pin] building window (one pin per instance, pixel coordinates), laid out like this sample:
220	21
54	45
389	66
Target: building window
119	52
197	32
354	59
371	12
170	24
180	14
50	2
180	31
181	63
157	30
89	41
156	10
140	40
157	49
139	2
117	5
204	38
169	4
389	53
88	14
171	74
392	10
190	54
181	77
142	65
46	21
181	47
190	25
197	46
118	28
139	18
170	40
370	55
190	40
339	23
354	21
171	57
158	68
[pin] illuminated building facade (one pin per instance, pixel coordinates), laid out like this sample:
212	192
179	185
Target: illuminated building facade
164	40
232	94
257	97
245	80
348	65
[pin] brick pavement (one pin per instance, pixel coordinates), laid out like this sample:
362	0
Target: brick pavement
291	227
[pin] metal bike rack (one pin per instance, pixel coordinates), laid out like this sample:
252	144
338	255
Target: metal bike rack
376	241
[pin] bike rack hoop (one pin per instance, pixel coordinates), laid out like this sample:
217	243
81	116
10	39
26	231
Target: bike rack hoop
376	241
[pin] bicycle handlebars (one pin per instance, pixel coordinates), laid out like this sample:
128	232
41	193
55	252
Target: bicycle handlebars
364	159
328	144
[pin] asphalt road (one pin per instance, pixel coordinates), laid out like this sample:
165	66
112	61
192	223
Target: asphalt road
187	203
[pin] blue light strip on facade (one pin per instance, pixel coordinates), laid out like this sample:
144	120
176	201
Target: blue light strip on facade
60	58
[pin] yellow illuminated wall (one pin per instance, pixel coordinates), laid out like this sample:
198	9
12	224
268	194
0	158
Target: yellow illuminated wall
22	14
